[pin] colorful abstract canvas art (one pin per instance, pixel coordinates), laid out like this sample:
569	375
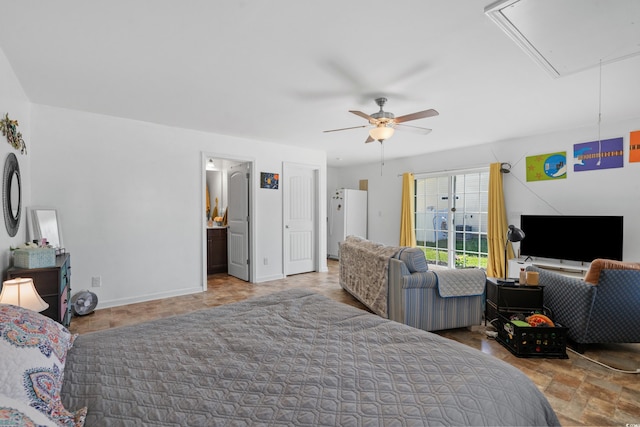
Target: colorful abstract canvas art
269	180
605	154
634	146
545	167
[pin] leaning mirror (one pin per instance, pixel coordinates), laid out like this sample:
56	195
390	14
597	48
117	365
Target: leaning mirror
44	222
12	194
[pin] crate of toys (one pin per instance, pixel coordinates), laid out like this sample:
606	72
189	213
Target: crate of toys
532	335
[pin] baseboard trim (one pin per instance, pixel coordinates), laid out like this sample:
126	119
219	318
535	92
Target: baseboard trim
148	297
269	278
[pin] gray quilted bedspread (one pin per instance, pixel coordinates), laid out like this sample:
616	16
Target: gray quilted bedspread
292	359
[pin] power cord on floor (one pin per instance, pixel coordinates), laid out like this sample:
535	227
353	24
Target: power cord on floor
494	334
622	371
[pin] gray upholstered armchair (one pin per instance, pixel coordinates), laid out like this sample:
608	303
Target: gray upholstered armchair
433	299
603	308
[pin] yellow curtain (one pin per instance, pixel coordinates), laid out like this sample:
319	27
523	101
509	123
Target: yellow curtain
407	228
497	225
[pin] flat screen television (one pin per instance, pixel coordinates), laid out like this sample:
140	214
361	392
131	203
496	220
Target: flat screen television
572	238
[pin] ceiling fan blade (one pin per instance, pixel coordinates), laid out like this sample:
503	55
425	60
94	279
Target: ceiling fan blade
419	115
364	116
354	127
415	129
369	139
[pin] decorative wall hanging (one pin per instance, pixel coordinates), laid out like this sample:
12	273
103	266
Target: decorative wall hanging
545	167
634	146
9	129
604	154
269	180
12	194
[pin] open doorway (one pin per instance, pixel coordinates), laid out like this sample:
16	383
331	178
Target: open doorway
227	217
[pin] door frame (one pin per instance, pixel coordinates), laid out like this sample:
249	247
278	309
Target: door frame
204	155
315	169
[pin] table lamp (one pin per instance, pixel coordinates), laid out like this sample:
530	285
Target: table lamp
513	235
22	292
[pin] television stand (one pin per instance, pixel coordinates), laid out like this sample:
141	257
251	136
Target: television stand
570	270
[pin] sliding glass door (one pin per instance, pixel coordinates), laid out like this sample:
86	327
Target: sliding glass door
451	218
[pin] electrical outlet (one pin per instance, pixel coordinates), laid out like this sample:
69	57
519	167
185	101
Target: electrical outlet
96	282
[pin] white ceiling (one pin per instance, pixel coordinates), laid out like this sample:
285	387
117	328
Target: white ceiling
285	70
569	36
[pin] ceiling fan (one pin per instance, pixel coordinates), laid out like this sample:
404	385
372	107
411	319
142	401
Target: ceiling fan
385	123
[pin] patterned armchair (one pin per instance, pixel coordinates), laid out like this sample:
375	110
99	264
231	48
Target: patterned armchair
433	299
602	308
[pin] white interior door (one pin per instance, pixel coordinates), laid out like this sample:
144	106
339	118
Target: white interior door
299	200
238	222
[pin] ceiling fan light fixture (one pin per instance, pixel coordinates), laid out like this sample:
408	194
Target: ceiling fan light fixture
380	133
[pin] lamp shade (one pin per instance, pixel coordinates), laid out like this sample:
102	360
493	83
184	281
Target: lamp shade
22	292
514	234
380	133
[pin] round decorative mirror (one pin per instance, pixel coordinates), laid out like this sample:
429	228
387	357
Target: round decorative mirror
11	194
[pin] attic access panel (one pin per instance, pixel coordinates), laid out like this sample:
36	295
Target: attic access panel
568	36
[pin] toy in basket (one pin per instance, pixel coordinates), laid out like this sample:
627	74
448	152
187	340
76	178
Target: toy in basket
34	257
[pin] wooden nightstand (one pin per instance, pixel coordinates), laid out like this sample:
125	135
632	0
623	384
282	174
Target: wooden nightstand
54	286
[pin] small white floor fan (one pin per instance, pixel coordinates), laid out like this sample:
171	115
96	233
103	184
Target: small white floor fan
83	303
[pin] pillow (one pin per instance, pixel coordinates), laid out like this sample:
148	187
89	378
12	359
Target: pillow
593	275
16	413
34	349
415	260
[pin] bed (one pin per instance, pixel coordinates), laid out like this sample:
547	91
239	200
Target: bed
293	358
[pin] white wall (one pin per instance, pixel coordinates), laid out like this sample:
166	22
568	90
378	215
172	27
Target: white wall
604	192
14	101
131	200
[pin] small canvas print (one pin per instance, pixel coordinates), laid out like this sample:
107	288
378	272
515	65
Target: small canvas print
269	180
634	146
544	167
605	154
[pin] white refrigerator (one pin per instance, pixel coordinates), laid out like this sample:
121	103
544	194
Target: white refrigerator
347	216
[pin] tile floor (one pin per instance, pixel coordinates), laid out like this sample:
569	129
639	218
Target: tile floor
581	392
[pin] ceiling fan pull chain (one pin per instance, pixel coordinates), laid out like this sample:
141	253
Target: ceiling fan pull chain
381	157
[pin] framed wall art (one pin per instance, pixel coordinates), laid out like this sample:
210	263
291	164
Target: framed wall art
634	146
269	180
604	154
544	167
